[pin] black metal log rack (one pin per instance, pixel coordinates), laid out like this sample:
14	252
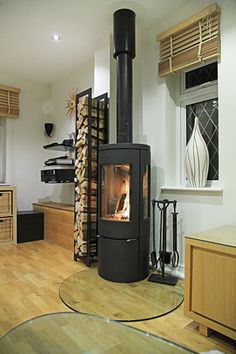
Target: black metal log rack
90	254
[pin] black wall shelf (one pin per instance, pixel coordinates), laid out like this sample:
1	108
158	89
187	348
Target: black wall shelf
58	172
59	147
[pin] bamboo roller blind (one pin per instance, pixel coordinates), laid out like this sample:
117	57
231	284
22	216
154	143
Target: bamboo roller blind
9	101
192	41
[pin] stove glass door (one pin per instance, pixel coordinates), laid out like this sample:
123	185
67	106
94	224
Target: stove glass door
146	192
116	182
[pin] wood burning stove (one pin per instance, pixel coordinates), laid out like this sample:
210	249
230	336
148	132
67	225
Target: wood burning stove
124	217
124	177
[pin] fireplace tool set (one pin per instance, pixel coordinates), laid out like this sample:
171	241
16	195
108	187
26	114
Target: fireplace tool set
165	257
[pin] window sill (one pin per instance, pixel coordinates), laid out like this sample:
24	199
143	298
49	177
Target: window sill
213	189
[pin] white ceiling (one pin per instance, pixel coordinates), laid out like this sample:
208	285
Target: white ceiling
26	26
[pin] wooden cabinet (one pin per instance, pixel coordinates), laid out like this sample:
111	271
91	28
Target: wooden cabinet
7	214
58	223
210	280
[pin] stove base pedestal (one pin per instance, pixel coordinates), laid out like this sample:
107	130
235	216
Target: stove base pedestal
119	260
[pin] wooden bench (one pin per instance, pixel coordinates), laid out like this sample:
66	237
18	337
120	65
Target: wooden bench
58	223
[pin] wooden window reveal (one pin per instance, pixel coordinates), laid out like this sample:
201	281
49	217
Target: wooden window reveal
194	40
9	102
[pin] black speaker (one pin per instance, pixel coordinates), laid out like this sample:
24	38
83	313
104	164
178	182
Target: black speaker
30	226
48	128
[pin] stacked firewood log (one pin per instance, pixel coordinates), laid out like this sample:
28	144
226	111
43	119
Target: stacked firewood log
86	173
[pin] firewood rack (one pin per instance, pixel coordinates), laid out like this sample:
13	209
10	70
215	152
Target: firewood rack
90	131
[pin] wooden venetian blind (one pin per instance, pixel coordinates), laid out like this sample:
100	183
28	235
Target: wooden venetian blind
9	101
192	41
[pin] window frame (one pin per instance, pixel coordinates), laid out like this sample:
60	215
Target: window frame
189	96
3	133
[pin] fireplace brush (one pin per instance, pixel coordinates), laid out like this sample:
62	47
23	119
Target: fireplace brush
175	255
153	253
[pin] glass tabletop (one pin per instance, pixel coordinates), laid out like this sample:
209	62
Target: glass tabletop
71	332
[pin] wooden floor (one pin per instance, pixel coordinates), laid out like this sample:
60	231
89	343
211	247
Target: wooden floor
30	276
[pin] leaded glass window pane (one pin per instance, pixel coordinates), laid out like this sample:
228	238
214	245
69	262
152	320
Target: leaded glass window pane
201	75
207	113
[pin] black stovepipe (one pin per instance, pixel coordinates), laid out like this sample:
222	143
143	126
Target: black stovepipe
124	124
124	53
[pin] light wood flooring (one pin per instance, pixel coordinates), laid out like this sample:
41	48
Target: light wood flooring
30	276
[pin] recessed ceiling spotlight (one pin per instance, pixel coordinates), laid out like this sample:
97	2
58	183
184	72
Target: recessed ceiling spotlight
56	37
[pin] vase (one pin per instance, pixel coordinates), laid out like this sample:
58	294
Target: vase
196	158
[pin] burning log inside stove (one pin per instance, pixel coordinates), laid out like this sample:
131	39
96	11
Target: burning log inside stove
122	210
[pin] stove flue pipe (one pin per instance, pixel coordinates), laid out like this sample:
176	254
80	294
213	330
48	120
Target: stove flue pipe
124	53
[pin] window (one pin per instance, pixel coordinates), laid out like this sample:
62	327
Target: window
200	76
207	112
2	149
9	101
199	98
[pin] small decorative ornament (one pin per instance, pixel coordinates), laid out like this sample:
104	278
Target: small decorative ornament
71	104
47	107
196	158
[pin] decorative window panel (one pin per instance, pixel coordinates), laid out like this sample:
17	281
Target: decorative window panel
207	113
194	40
205	74
9	102
2	150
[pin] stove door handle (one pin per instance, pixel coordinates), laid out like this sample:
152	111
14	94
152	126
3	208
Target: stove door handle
131	239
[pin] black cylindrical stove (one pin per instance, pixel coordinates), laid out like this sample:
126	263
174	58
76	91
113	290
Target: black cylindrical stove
124	212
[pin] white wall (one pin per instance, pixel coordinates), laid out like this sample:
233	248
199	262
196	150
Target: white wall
25	138
80	80
102	67
197	211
